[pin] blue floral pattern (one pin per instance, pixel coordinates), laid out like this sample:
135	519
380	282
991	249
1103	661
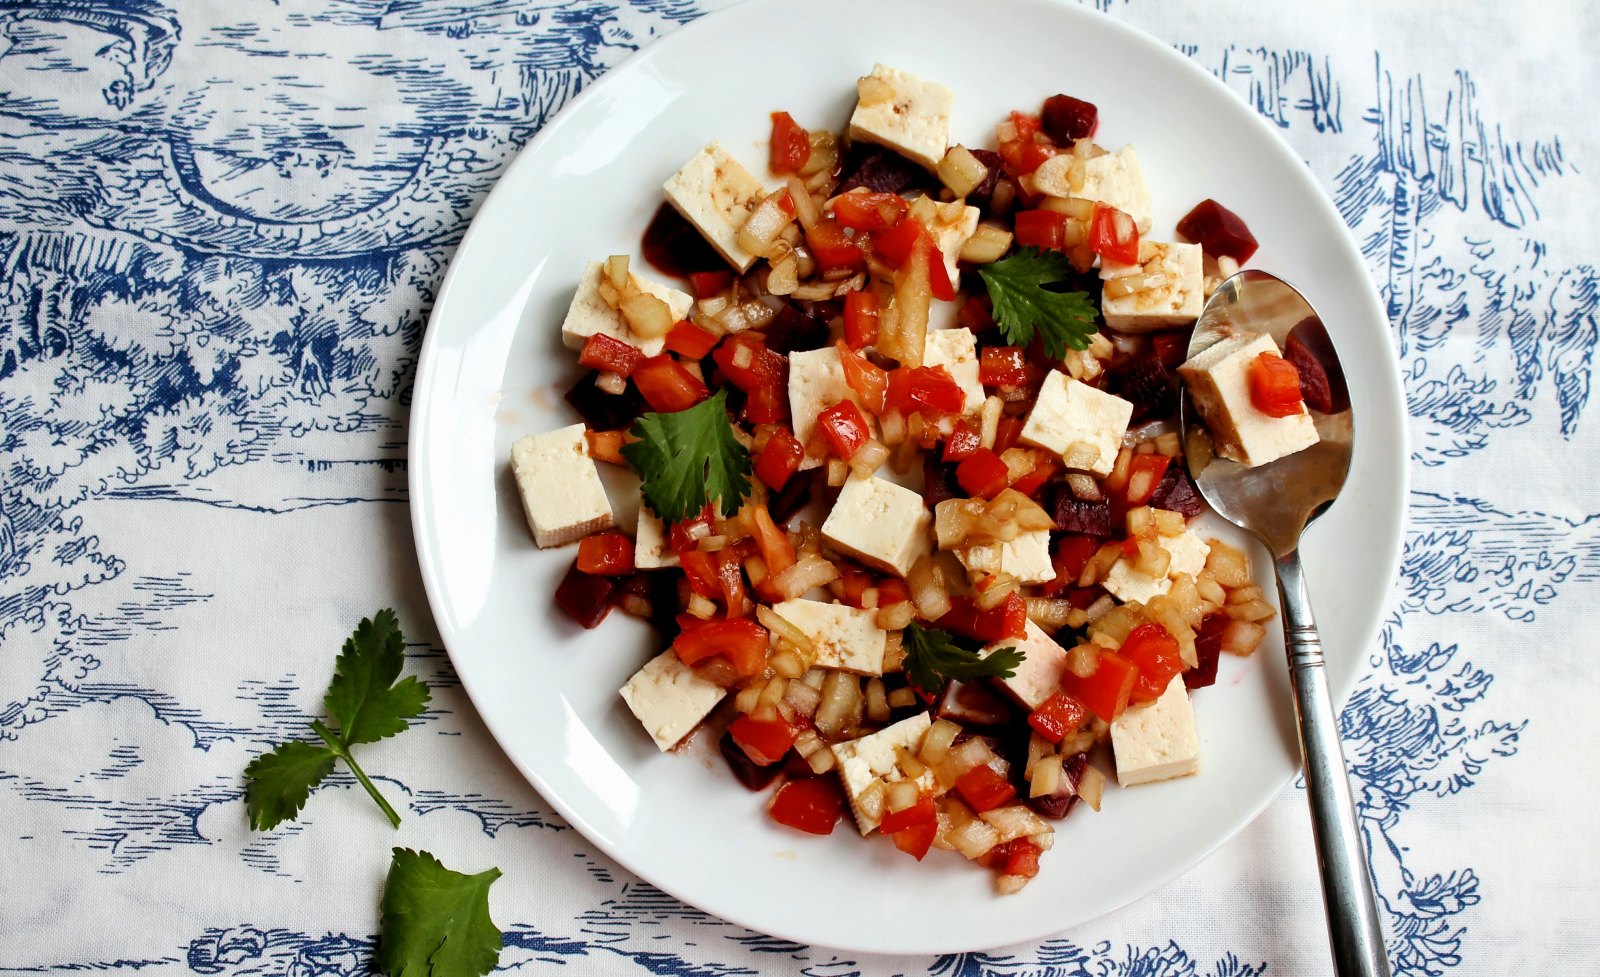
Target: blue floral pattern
211	301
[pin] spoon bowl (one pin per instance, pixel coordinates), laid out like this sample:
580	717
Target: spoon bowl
1275	502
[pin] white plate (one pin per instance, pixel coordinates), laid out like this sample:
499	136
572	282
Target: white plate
493	369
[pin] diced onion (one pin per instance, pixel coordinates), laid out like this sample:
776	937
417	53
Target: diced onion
784	628
901	795
1015	821
974	839
612	383
868	458
808	572
895	616
616	271
646	315
961	171
877	700
1083	660
1255	610
761	229
928	589
936	741
806	210
902	698
1091	786
986	245
841	703
1050	613
1046	777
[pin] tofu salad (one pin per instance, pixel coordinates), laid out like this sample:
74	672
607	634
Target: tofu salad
900	485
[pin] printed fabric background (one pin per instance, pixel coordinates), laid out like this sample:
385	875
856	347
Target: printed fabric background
221	226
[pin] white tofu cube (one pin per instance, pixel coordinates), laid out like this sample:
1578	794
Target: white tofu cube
589	314
905	113
1069	411
870	760
670	699
560	486
1027	557
843	637
1156	740
1115	179
651	550
951	225
1176	302
1039	676
957	351
1218	379
1188	554
881	524
715	193
816	382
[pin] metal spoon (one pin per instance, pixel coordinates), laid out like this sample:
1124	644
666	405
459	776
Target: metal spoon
1276	502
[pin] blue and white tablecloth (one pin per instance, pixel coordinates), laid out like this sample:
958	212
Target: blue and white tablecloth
221	226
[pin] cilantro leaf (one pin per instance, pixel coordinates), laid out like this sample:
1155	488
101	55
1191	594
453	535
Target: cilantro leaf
1023	306
435	922
689	458
366	704
363	697
278	783
931	657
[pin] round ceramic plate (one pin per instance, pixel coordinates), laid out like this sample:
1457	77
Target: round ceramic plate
493	369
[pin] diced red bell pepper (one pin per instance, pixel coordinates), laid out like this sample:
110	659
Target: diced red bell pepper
776	550
939	283
811	804
1007	432
764	376
689	340
866	378
605	554
701	569
730	581
855	582
962	442
897	243
1019	856
892	591
928	390
833	248
1155	654
609	355
982	474
1275	386
1105	692
1023	155
844	429
707	284
790	147
1032	482
684	536
666	386
1218	231
1041	229
861	313
763	740
1072	553
1058	716
1144	477
780	459
917	839
983	789
1114	235
864	210
1008	620
921	812
1002	366
741	641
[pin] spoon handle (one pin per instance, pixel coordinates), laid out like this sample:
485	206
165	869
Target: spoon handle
1347	894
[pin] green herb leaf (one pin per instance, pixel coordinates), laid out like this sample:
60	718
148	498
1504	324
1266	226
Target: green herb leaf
278	783
365	703
1023	306
689	458
363	697
931	657
435	922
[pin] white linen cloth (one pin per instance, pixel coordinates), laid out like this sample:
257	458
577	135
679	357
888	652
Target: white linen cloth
221	224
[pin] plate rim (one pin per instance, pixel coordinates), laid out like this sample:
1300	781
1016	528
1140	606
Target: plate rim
424	388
